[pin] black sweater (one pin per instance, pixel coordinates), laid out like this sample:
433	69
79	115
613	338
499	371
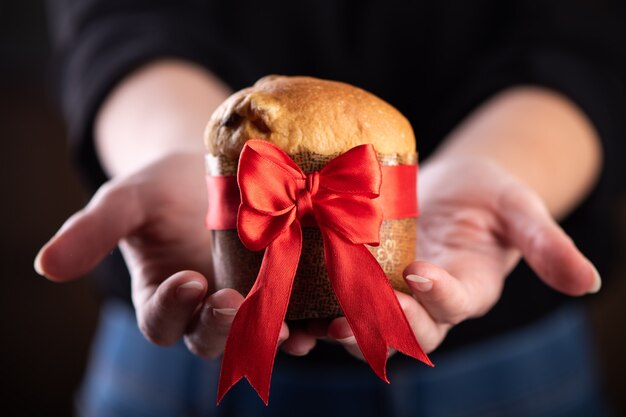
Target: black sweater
435	61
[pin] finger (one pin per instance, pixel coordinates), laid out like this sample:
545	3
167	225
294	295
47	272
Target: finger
284	333
340	331
545	246
445	298
90	234
299	343
428	333
164	314
206	336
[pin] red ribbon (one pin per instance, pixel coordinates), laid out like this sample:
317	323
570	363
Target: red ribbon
398	196
277	198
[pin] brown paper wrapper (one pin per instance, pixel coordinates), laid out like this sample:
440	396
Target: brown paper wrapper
312	296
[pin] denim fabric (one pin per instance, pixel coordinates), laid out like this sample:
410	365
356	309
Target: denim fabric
546	369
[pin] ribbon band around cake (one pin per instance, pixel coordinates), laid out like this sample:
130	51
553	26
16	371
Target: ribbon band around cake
397	198
269	202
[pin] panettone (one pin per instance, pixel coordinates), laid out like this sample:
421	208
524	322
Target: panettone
313	121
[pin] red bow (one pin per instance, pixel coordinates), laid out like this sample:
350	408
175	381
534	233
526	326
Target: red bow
276	199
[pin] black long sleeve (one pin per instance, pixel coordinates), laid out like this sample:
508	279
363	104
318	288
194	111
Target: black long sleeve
435	61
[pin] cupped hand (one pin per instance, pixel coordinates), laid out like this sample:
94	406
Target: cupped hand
476	222
156	215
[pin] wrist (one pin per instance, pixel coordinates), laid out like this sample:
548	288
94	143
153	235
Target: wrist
158	110
539	137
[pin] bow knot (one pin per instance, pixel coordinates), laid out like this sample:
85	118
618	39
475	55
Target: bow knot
313	182
275	193
277	198
304	200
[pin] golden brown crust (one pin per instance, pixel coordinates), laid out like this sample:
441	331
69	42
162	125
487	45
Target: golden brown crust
307	114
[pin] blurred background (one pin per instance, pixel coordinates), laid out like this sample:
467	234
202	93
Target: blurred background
46	328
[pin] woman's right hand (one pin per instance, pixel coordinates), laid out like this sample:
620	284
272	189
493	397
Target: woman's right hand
157	217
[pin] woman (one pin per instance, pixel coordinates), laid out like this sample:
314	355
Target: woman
515	110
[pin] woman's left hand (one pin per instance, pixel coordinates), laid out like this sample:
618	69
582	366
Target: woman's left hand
476	222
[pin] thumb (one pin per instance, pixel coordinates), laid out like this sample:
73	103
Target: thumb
548	250
90	234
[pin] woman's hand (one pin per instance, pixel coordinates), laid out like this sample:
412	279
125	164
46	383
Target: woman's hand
476	222
488	196
148	138
157	216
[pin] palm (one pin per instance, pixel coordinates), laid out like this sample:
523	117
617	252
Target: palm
460	229
462	240
157	216
172	236
476	221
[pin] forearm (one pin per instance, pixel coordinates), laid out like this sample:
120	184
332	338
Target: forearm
158	110
538	136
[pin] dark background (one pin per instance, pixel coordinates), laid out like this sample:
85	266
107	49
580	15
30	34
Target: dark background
46	328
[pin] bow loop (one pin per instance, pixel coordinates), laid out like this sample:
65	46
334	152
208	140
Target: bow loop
355	172
277	191
357	218
256	231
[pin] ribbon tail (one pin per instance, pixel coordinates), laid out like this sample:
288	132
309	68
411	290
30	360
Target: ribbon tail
253	337
369	303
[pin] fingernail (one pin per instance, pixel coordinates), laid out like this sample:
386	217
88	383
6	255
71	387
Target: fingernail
224	312
421	283
299	352
38	266
597	283
350	340
189	291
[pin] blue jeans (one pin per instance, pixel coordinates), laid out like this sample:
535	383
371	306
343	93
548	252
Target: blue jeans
546	369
